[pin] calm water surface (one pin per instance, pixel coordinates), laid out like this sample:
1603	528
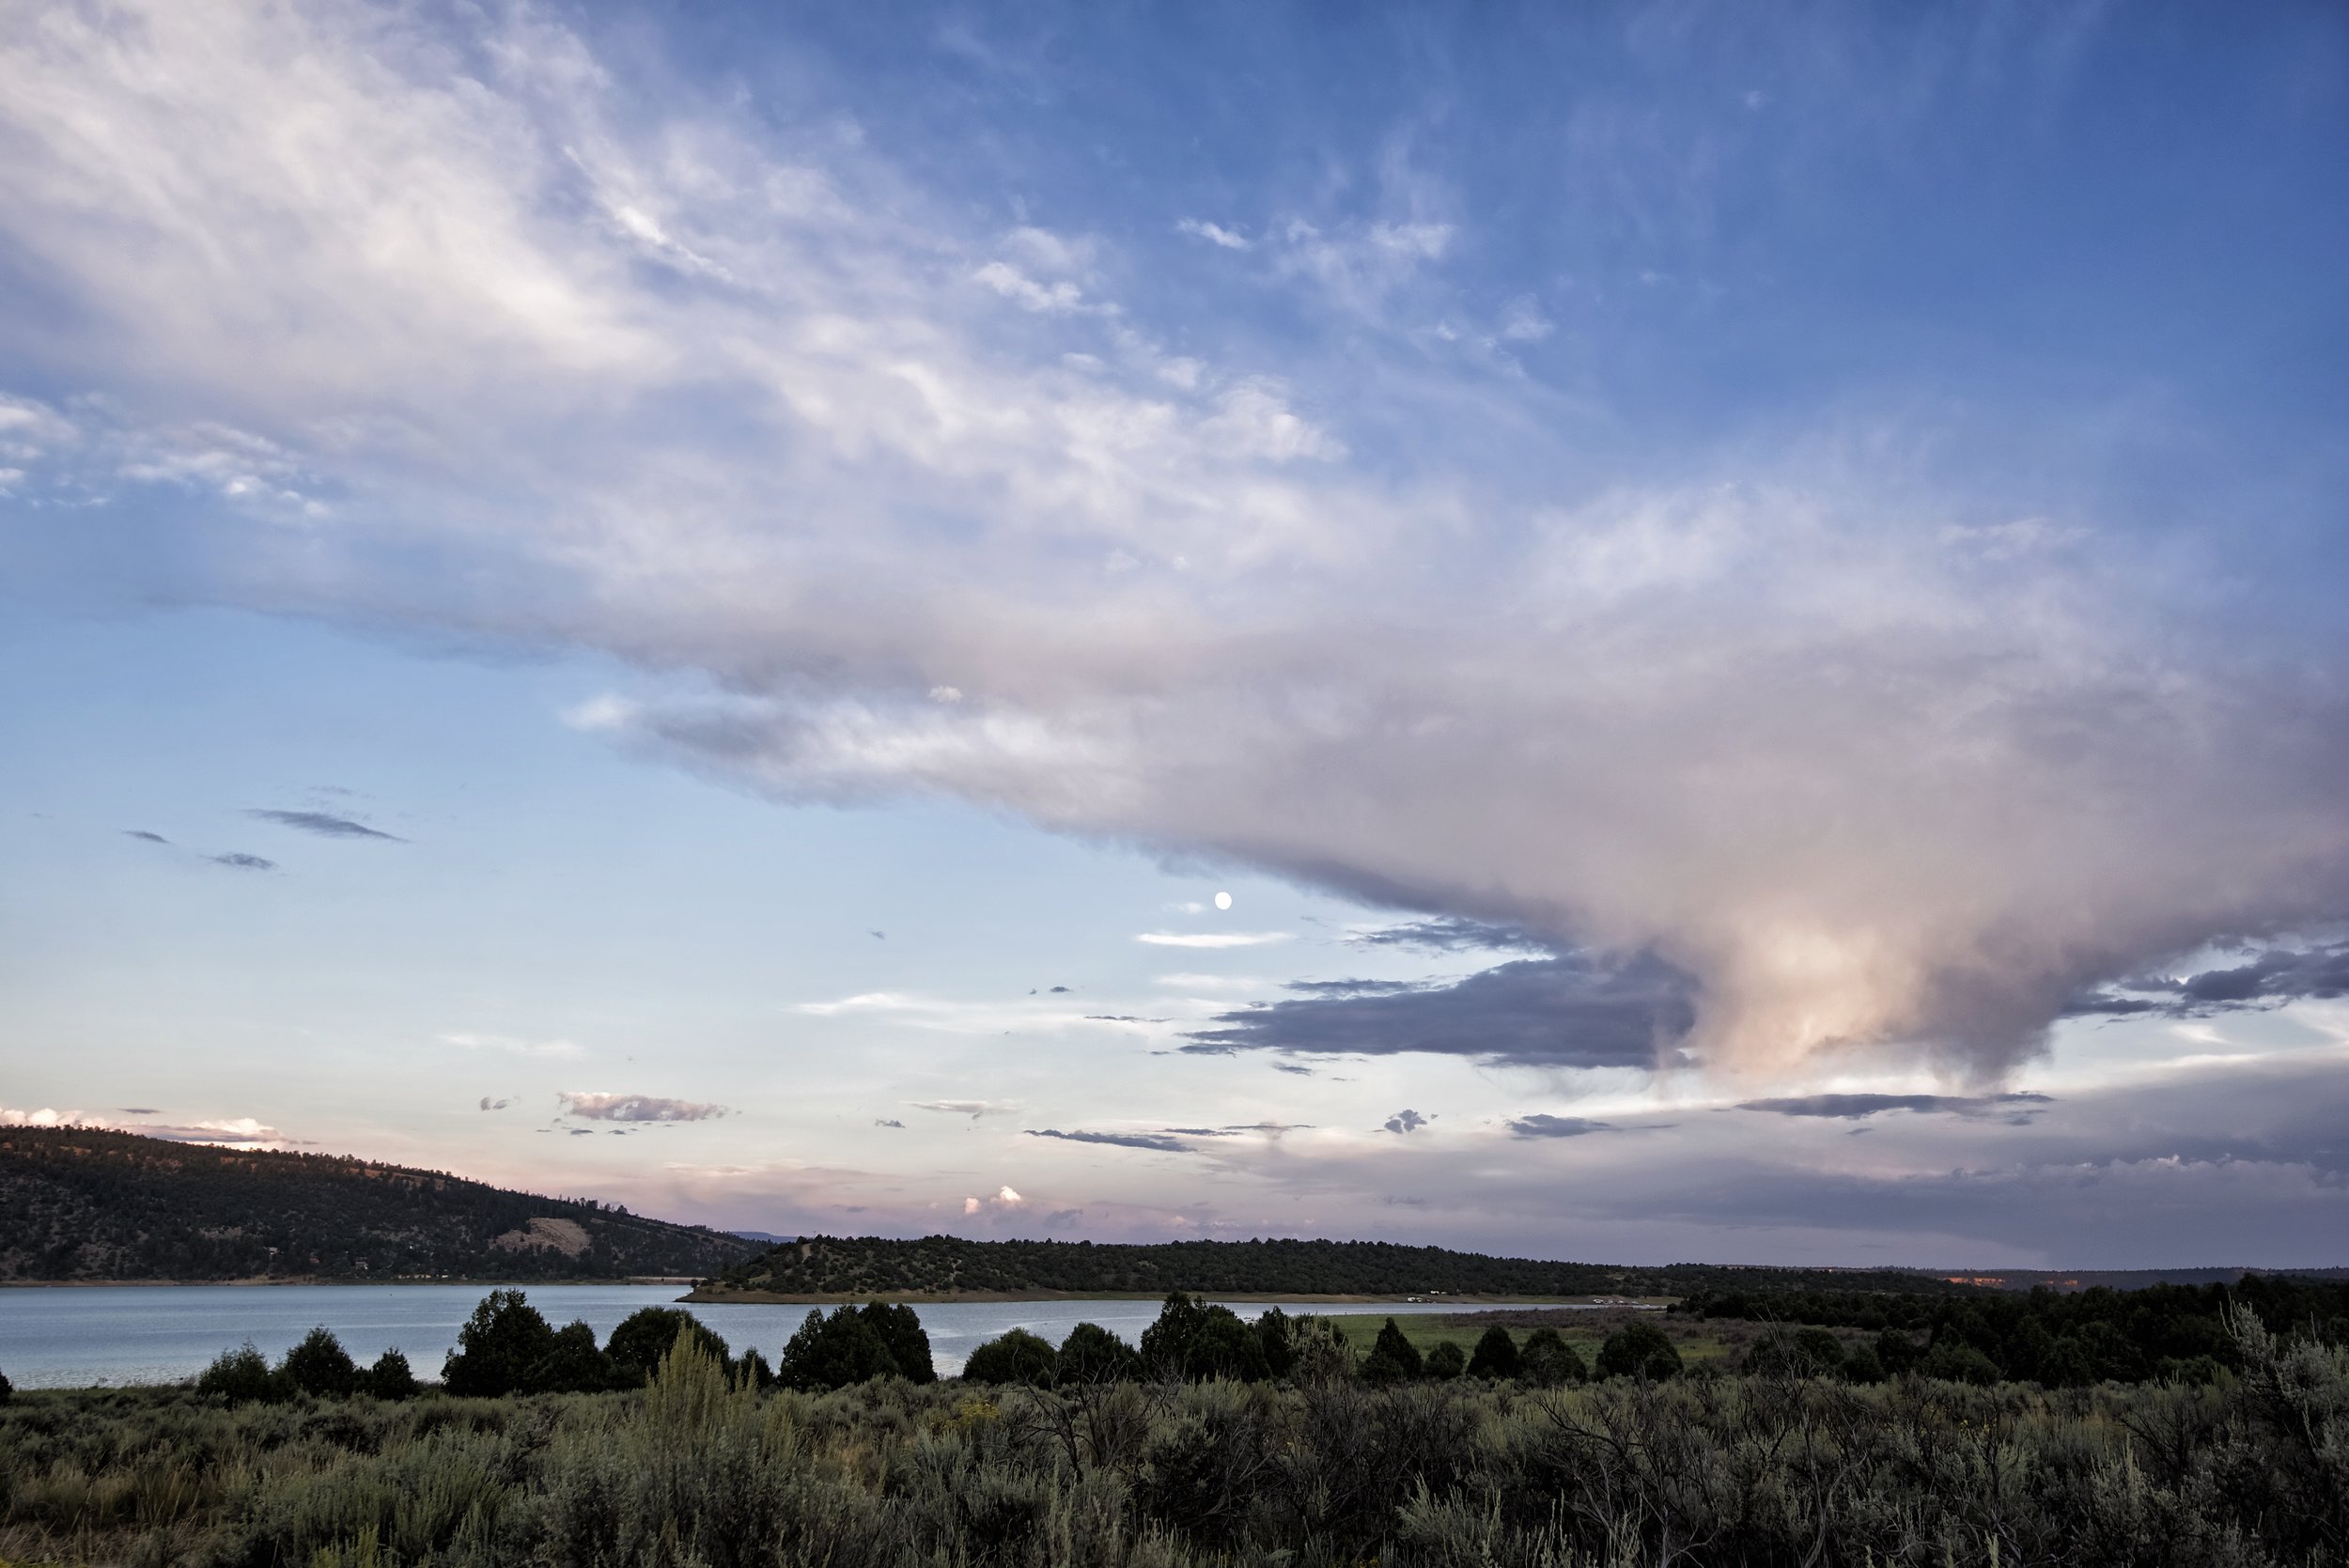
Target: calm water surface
70	1338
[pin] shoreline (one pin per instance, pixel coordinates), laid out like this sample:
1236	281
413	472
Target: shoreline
827	1298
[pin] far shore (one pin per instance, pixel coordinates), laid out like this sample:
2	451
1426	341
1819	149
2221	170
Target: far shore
825	1298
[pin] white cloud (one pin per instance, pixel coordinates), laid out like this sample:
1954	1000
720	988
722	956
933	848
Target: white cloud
1213	938
1028	294
1214	234
47	1116
560	1050
1523	322
597	1105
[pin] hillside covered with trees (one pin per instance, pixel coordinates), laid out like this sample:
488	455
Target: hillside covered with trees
945	1266
78	1204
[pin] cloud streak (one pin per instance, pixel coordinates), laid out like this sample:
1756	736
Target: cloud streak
1568	1012
323	824
1158	1143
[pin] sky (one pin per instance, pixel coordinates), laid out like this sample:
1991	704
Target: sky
1638	632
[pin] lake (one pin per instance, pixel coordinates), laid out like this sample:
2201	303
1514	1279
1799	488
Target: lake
77	1337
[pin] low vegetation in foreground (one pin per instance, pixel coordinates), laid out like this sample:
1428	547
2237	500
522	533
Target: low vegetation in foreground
1211	1441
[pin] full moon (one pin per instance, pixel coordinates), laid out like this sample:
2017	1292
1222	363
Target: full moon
1222	900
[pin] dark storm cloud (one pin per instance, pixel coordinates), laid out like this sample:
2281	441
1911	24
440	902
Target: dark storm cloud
143	834
2268	978
1571	1011
322	824
1451	934
1158	1142
1541	1126
2016	1108
243	862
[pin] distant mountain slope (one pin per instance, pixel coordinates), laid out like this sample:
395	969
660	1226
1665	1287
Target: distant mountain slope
947	1266
79	1203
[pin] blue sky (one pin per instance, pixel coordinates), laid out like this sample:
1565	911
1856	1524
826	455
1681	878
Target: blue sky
1744	605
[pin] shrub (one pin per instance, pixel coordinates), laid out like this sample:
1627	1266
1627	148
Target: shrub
7	1389
1803	1352
1897	1352
1639	1350
648	1333
1496	1353
320	1365
1547	1361
1446	1360
390	1378
1393	1358
1016	1356
240	1376
1862	1365
1320	1351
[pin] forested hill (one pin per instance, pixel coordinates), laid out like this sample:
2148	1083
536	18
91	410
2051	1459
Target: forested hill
945	1266
79	1203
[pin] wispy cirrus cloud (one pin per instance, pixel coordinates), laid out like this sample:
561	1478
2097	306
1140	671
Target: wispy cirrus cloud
973	1109
514	1045
323	824
1214	940
2019	1106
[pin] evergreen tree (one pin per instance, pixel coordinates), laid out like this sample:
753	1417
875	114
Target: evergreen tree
1639	1350
390	1378
573	1365
1496	1354
1392	1359
1547	1361
320	1365
1092	1353
1015	1357
1198	1340
1446	1360
909	1342
498	1347
240	1376
831	1352
648	1333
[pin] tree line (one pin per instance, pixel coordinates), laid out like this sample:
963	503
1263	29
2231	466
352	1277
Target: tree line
877	1265
2061	1339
